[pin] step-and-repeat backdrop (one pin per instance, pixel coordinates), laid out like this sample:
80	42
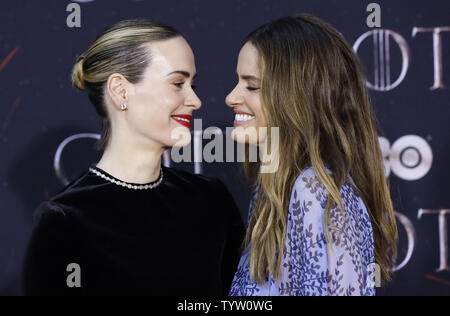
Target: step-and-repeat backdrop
47	129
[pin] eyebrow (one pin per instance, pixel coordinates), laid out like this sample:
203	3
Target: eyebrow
250	77
181	72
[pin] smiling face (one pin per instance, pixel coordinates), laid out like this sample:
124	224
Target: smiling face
164	100
245	99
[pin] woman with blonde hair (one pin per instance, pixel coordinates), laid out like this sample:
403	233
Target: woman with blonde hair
323	223
129	225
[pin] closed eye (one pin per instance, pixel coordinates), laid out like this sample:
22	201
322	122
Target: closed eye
180	84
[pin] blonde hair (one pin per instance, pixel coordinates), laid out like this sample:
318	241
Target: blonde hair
122	48
313	89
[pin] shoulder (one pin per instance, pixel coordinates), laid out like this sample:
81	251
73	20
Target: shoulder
310	192
308	187
80	188
50	215
48	209
308	203
209	189
196	181
53	230
52	245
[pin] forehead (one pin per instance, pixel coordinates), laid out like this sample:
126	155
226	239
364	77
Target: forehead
248	60
173	54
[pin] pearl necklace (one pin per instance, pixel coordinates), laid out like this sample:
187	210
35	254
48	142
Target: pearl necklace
125	184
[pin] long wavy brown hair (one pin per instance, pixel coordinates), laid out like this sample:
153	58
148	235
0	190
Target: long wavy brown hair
313	89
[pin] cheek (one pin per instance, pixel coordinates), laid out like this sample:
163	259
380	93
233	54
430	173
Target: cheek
168	102
168	130
255	104
160	100
161	107
154	111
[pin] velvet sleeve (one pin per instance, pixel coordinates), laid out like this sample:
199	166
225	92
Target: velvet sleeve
235	237
50	250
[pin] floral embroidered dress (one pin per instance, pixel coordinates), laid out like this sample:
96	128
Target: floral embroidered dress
311	266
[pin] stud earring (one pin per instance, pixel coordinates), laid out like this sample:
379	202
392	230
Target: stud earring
123	107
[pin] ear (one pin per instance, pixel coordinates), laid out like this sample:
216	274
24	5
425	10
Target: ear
117	88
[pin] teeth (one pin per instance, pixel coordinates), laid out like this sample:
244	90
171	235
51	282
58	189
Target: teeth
182	119
243	117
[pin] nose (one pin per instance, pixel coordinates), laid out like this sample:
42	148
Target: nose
193	101
234	98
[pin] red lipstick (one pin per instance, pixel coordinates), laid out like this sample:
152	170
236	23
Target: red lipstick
183	119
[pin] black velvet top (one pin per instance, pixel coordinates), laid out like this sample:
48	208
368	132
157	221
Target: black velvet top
182	237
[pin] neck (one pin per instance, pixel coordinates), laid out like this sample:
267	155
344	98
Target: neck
132	162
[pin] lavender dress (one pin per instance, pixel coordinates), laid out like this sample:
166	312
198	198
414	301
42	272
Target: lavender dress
311	266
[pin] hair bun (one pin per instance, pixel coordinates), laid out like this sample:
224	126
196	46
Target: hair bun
78	75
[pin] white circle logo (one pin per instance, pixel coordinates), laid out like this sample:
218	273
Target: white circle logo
409	158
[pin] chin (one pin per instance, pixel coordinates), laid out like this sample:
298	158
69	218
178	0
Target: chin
245	136
182	143
180	137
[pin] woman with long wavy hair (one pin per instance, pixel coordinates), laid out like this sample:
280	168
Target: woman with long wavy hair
323	223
